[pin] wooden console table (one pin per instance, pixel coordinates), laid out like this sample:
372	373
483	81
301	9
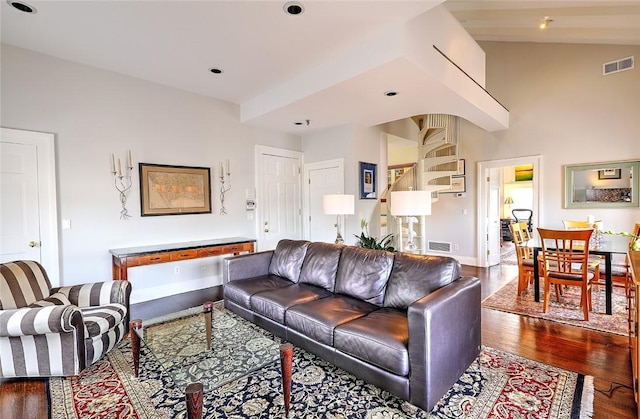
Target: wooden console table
128	257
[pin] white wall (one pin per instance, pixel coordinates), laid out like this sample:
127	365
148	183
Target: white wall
94	113
562	108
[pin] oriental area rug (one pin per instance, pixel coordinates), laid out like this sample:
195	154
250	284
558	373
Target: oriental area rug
496	385
568	310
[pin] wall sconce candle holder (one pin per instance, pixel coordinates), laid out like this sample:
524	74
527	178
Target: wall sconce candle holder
225	184
122	182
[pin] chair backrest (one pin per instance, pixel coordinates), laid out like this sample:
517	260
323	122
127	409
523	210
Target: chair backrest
520	234
564	253
570	224
22	282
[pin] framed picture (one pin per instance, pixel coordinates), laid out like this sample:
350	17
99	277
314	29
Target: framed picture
524	173
368	179
458	185
609	174
172	190
461	167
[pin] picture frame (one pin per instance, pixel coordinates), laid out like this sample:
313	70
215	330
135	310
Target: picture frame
458	185
368	180
523	173
461	168
609	174
174	190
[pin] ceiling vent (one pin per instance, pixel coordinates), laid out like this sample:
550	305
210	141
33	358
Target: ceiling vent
617	66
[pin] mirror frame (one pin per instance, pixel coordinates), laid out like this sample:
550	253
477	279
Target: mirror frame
570	169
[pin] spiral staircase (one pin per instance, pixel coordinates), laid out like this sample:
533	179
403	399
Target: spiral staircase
437	162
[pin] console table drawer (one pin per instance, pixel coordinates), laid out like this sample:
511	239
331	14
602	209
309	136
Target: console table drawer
235	248
209	251
184	254
151	259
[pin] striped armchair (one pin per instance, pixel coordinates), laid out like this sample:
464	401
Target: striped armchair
48	331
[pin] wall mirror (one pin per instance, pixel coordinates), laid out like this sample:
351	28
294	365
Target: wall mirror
602	185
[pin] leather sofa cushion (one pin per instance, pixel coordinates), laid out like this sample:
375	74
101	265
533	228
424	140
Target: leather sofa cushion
320	265
241	290
363	273
414	276
379	338
273	304
287	259
317	319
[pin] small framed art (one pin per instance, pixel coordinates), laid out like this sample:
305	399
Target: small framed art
368	179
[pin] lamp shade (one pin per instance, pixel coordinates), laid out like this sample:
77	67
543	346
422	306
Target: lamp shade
338	204
508	200
411	203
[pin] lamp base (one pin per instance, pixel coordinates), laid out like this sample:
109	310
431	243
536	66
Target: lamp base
339	239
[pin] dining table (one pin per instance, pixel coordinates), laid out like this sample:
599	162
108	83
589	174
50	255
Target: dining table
606	246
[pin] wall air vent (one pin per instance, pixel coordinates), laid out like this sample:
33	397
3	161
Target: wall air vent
617	66
439	247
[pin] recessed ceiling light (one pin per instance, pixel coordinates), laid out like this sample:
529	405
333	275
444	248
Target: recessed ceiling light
215	70
305	122
23	7
391	93
293	8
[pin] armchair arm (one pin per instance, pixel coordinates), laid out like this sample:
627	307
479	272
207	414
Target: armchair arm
444	339
246	266
97	293
40	321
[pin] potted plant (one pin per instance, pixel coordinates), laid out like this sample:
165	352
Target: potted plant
370	242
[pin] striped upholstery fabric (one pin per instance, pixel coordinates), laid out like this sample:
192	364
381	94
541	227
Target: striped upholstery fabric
56	332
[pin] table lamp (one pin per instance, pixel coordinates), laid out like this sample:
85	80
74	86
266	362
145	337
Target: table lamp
338	205
508	201
410	204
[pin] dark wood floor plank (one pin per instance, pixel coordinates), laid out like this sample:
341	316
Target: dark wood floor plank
603	355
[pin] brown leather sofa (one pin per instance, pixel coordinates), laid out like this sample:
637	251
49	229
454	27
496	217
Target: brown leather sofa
408	324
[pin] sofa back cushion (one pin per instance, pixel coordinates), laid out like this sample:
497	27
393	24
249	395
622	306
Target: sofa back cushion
21	283
363	273
287	259
414	276
321	265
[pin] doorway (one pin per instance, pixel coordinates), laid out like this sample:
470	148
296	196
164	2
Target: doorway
29	226
278	198
488	204
320	178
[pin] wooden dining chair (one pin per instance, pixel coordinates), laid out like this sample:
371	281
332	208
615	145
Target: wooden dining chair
520	234
566	262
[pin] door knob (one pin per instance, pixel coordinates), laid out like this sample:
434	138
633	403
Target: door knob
33	243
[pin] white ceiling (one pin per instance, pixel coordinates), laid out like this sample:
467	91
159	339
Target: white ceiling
261	49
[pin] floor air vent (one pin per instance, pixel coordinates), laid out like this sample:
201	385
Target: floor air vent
617	66
440	247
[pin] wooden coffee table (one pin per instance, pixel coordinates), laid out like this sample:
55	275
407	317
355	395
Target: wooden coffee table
206	322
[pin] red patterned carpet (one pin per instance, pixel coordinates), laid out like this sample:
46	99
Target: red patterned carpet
567	311
496	385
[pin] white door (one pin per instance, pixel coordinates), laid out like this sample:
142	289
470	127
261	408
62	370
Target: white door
28	214
322	178
279	204
493	226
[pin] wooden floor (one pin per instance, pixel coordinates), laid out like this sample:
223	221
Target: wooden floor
602	355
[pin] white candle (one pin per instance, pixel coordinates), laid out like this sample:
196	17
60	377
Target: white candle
119	168
228	170
130	160
221	170
113	164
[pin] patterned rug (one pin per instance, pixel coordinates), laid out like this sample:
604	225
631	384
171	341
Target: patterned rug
496	385
566	311
508	253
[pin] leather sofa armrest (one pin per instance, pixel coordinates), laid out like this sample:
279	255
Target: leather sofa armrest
248	265
444	339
